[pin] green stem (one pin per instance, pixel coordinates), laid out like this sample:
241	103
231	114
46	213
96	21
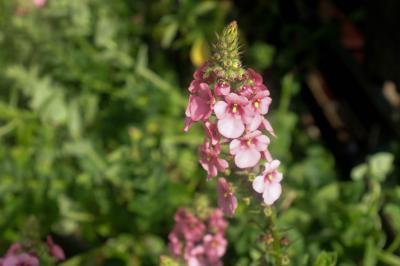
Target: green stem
395	244
276	244
389	259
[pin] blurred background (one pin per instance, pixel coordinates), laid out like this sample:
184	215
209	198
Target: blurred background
92	100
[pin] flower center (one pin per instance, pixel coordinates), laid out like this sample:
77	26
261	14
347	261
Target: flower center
249	142
234	108
257	104
269	177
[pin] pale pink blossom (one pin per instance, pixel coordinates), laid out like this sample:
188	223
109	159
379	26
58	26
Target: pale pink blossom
222	89
260	102
16	256
265	124
210	161
247	149
214	247
200	105
188	226
39	3
246	91
216	222
227	201
231	115
205	249
22	259
269	182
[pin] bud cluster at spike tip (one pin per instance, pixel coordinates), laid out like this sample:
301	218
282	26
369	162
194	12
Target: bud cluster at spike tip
199	242
231	103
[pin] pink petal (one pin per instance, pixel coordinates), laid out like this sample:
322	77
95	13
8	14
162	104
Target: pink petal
220	109
278	177
252	135
188	124
272	166
259	184
212	132
199	108
234	146
264	105
194	86
262	143
222	164
230	127
267	155
222	89
254	123
257	78
247	158
268	127
272	192
232	98
204	91
39	3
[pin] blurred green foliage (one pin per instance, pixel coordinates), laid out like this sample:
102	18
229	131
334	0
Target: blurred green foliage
92	98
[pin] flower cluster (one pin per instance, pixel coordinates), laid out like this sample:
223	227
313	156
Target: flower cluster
199	242
19	254
231	103
39	3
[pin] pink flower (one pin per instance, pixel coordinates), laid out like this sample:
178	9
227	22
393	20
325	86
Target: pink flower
247	149
246	91
200	106
39	3
209	245
14	249
199	73
222	89
266	125
188	226
210	161
269	183
257	80
194	86
55	250
214	247
212	132
260	102
188	123
216	222
226	199
231	114
22	259
15	256
194	255
175	246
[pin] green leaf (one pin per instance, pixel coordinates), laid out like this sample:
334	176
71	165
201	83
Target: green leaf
380	165
326	259
370	253
359	172
169	34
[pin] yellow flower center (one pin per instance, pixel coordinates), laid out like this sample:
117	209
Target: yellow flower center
234	108
257	104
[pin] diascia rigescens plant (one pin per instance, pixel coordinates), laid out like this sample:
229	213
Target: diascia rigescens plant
231	103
